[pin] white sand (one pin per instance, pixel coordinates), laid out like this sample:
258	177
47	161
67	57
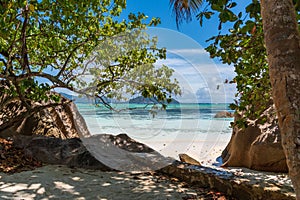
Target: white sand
59	182
204	148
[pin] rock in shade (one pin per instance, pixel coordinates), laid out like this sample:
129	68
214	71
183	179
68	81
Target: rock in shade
112	152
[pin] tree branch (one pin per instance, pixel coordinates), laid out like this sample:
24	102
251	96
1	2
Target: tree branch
20	95
69	57
83	71
24	53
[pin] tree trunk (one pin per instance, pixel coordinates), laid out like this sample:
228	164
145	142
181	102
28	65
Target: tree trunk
282	41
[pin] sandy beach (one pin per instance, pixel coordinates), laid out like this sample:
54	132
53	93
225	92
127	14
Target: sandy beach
205	148
60	182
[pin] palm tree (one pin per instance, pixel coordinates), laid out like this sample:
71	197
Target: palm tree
282	40
184	9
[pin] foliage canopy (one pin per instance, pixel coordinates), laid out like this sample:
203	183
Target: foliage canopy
50	44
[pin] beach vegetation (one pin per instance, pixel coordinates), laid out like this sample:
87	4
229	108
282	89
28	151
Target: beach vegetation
83	46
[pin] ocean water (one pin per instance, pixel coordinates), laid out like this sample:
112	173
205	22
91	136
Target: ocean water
139	122
181	128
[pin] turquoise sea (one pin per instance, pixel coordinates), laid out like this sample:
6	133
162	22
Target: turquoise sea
181	128
137	120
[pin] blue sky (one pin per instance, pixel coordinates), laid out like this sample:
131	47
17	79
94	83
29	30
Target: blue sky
161	9
200	77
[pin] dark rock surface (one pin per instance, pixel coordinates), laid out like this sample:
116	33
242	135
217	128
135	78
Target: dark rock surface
49	150
75	152
123	141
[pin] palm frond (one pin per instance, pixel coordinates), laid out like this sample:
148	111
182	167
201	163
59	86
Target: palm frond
183	9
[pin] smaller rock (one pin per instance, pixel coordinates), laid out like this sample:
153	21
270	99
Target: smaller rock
224	114
188	159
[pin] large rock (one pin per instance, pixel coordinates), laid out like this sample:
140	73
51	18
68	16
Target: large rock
55	121
256	147
109	152
50	150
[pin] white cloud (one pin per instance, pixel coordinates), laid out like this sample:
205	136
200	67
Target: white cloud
172	62
197	72
196	51
220	94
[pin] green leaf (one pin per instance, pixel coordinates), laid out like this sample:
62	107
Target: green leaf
217	7
62	36
232	5
208	14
